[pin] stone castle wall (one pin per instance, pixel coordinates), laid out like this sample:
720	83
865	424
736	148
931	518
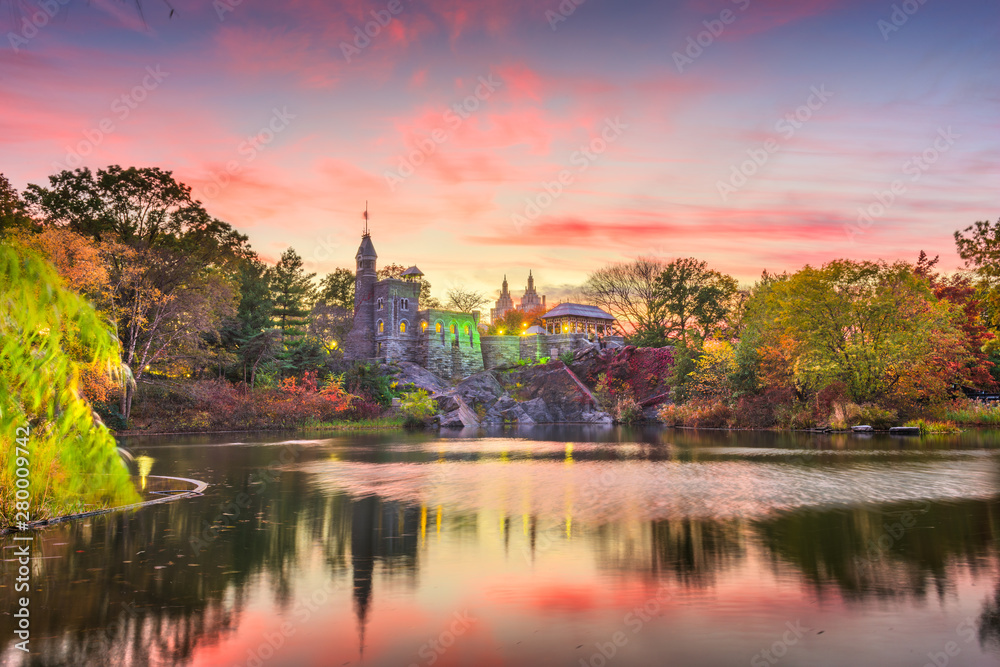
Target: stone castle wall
500	350
447	354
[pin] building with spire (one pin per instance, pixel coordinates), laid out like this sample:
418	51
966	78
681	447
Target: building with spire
529	301
504	304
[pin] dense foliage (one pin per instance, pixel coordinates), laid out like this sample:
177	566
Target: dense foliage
49	337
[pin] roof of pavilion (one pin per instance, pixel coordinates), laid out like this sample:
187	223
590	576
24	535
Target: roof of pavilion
578	310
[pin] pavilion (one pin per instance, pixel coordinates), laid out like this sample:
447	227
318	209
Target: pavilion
578	318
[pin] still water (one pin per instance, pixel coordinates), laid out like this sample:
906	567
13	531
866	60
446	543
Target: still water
560	546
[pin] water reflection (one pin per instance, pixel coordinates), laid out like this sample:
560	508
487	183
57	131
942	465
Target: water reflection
563	534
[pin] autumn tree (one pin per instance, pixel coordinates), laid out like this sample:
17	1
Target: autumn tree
875	327
465	300
515	322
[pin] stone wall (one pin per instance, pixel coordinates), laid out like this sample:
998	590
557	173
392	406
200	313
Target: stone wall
500	350
557	344
533	347
447	354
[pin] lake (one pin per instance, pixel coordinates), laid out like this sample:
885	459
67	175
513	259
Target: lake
569	546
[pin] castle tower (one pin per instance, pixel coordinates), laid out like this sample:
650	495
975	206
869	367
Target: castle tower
361	340
504	304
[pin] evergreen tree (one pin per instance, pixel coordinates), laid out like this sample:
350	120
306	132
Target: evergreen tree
293	293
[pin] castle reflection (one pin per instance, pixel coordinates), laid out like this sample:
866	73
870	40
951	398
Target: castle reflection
131	589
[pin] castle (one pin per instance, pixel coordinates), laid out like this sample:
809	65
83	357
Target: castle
389	325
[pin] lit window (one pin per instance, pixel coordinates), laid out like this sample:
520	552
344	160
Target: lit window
381	326
423	326
453	328
466	329
437	327
402	327
381	304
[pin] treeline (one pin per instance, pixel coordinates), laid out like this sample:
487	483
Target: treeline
188	298
847	343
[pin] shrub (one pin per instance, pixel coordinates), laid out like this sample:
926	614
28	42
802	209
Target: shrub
877	417
626	410
927	426
703	414
566	357
418	408
369	382
972	413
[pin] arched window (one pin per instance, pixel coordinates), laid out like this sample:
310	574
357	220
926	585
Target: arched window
453	328
405	304
381	303
466	329
381	326
423	325
438	327
402	327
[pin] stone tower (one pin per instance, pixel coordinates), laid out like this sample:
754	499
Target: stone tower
504	304
361	341
531	300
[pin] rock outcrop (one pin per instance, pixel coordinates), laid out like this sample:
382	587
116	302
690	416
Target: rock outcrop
540	394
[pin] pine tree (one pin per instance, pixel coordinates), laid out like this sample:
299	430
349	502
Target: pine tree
293	292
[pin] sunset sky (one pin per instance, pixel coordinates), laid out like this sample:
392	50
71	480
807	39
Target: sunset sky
653	135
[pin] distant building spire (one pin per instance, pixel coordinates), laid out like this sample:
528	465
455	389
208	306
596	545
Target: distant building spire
365	215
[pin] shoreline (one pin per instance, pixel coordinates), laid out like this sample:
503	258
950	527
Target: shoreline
199	488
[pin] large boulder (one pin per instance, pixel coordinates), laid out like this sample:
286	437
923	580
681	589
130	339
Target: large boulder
420	377
552	393
479	391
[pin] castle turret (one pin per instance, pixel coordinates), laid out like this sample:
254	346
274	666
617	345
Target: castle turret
361	341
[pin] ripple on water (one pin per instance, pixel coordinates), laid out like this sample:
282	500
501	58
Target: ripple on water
601	491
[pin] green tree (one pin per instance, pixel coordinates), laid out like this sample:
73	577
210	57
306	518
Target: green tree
13	211
72	461
979	246
337	289
133	204
691	300
293	292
